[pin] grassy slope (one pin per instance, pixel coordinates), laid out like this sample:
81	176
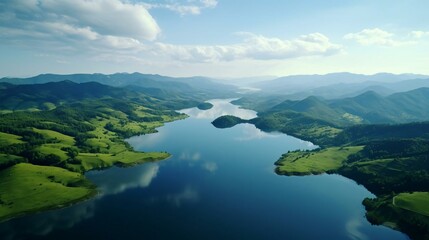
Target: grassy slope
416	202
61	140
17	183
114	151
7	139
8	160
26	188
314	162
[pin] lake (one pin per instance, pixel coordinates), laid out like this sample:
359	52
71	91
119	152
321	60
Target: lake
218	184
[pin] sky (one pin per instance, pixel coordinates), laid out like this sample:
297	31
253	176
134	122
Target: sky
214	38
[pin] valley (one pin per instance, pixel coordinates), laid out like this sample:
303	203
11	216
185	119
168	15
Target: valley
50	140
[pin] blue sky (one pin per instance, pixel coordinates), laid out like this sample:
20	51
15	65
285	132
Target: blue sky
217	38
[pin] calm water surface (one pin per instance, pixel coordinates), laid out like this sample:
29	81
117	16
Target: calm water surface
219	184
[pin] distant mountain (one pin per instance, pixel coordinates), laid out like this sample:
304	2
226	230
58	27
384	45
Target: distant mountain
246	81
182	85
343	90
314	84
320	121
369	107
312	106
396	108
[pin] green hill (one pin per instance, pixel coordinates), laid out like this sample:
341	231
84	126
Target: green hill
227	121
41	96
50	95
396	108
67	128
301	118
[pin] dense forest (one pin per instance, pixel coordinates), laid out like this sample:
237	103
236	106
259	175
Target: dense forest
379	141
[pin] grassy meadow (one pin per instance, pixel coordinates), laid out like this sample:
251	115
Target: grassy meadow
27	188
416	202
314	162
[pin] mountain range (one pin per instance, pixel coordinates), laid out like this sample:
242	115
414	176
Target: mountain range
366	108
340	85
143	81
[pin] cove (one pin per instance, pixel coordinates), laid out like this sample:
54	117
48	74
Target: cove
218	184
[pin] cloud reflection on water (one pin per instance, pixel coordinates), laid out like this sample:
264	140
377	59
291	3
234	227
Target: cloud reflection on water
210	166
195	159
114	181
187	195
352	228
308	144
150	140
250	132
220	107
190	156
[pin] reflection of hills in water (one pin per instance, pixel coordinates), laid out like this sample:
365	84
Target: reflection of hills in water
114	181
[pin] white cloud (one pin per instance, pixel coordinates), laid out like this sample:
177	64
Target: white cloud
106	20
375	36
125	29
419	34
63	29
191	7
256	47
107	17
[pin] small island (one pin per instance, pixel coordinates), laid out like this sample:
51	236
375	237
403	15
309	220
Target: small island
227	121
205	106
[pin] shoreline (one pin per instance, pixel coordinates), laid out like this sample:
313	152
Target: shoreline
80	182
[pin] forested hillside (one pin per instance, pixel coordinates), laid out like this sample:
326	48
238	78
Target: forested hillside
378	141
51	133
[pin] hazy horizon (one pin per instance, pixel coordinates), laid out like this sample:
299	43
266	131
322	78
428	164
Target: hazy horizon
244	78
